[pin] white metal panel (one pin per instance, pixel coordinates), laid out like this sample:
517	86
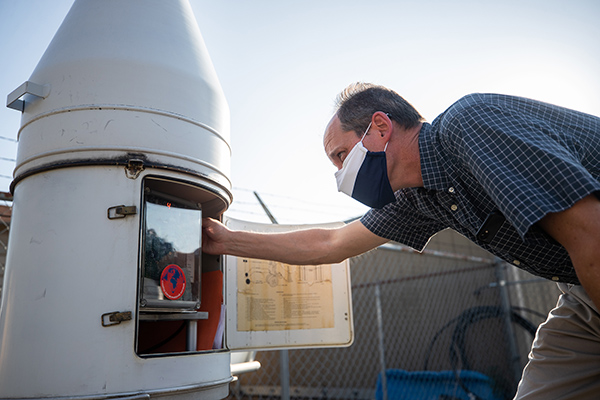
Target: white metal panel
277	306
68	264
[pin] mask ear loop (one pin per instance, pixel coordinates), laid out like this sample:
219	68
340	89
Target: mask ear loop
365	134
367	131
388	142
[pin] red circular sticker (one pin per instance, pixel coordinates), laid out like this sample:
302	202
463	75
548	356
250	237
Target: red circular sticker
172	282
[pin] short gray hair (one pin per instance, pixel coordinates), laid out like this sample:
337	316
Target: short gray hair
357	103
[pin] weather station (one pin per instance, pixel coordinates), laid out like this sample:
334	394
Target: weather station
123	148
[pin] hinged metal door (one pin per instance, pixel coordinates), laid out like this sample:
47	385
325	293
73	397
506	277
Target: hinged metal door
271	305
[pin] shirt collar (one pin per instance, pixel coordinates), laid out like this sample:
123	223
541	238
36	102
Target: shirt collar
433	168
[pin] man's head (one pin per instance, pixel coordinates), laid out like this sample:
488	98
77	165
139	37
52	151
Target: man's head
358	102
384	122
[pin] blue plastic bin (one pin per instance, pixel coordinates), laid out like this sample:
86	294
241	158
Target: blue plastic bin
429	385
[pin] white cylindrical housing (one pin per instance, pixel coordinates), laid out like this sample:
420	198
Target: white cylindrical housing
67	266
128	94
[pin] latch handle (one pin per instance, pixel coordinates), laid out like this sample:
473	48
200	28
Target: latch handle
121	211
115	318
13	99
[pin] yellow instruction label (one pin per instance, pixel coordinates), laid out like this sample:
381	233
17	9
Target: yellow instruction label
275	296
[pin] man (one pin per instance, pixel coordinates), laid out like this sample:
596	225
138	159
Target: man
516	176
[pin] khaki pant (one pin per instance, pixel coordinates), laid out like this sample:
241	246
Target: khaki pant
564	362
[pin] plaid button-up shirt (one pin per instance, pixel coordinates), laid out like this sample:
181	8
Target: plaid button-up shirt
494	153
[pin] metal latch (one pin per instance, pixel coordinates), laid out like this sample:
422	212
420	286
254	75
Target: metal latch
134	168
115	318
121	211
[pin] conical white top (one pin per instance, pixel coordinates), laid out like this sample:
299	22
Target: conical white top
127	77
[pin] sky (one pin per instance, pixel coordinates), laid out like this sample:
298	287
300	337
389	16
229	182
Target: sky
282	63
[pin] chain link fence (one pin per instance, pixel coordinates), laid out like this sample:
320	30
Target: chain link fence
452	322
5	213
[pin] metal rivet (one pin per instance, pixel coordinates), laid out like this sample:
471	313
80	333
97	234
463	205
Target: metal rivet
451	190
454	207
517	262
555	278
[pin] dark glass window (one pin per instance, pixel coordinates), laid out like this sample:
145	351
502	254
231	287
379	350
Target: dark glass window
171	267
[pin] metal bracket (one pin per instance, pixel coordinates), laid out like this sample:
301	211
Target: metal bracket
13	99
121	211
134	168
115	318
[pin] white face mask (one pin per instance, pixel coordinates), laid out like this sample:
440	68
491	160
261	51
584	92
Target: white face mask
363	176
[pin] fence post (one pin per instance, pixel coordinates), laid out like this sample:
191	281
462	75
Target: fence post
515	358
381	342
284	356
284	370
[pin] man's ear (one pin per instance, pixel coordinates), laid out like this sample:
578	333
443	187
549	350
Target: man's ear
382	124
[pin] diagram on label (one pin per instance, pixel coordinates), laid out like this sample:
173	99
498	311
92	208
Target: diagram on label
277	296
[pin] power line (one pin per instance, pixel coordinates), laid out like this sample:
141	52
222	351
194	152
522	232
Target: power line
9	139
8	159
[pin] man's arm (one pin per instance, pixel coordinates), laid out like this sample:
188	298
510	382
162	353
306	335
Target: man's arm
578	230
304	247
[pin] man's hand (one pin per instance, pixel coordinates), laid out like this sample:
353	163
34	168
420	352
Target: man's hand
303	247
578	230
214	237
